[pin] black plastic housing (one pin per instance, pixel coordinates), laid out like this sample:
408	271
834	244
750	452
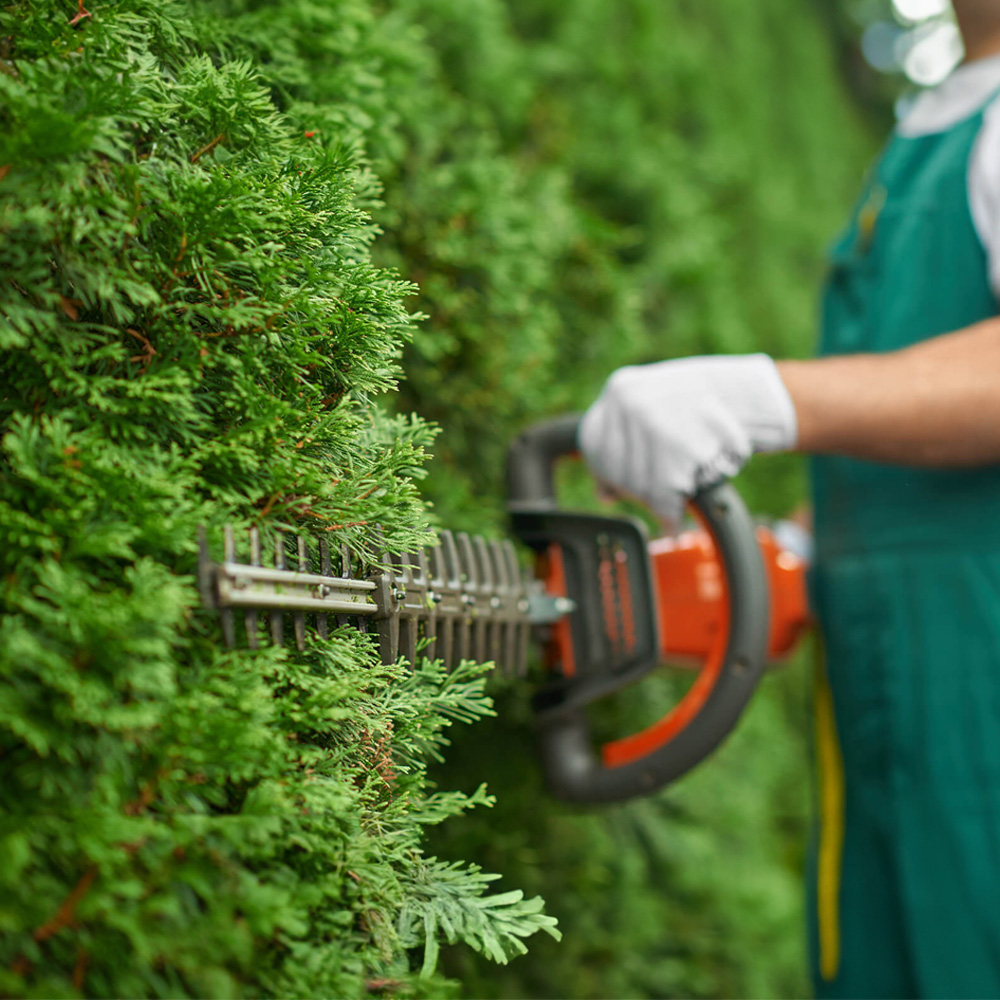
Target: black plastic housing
574	767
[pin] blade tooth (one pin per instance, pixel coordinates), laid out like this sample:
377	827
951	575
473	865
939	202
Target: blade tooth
409	569
226	614
444	583
465	569
483	630
277	623
408	640
470	570
483	561
418	560
412	638
448	642
299	618
401	578
322	625
498	568
429	610
445	580
250	618
480	632
401	584
450	553
416	599
404	578
439	624
486	633
431	635
384	575
463	647
513	566
498	565
345	573
388	640
407	572
467	559
515	594
435	557
479	640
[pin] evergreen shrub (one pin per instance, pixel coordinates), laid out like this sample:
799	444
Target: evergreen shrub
200	314
685	165
193	332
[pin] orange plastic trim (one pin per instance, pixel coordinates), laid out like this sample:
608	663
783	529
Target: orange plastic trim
693	610
552	570
629	749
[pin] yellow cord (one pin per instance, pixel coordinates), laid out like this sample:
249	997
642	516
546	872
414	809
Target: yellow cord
831	834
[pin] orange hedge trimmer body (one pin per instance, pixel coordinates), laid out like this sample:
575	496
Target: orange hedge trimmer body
691	595
720	600
692	608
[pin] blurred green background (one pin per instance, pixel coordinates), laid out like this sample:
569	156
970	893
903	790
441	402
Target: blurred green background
575	186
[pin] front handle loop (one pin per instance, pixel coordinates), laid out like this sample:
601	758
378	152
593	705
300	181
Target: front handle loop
578	770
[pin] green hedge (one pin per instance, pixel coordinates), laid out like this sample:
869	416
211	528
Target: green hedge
574	187
193	332
203	211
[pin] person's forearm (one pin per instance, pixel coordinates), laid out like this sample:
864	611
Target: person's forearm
936	403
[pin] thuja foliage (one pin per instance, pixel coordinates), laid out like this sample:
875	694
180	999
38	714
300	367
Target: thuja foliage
514	272
575	186
685	164
193	332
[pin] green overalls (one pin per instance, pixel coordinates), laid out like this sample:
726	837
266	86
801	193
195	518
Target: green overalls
906	887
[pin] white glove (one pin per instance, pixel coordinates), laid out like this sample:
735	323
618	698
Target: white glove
661	432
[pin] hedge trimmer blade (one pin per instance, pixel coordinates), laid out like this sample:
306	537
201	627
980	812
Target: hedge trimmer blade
465	598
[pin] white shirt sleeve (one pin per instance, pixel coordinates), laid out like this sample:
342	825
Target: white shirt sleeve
984	190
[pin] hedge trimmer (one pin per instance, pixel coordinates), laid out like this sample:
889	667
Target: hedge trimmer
605	606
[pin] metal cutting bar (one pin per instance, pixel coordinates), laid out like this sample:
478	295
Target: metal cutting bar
464	598
264	574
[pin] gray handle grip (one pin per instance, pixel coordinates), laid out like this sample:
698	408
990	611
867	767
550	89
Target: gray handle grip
573	765
532	458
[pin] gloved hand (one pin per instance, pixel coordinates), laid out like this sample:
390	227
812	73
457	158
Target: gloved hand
661	432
